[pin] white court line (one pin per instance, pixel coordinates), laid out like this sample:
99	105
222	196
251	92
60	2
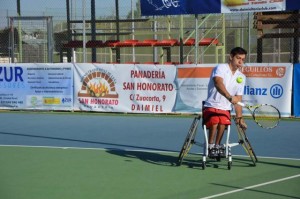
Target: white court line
251	187
83	148
53	147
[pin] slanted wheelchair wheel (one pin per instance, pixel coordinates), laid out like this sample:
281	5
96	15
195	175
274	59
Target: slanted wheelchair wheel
189	140
229	165
244	141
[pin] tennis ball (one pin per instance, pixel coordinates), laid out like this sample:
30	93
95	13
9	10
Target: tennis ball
239	80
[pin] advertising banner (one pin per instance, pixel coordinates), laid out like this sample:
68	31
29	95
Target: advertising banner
265	84
124	88
135	88
180	7
192	87
233	6
36	86
296	90
269	84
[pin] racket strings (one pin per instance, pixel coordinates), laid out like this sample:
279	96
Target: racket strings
267	116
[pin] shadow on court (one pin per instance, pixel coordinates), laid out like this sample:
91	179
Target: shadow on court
96	144
193	161
154	157
161	159
149	157
260	162
236	161
213	163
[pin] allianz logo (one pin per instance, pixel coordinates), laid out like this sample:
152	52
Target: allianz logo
276	91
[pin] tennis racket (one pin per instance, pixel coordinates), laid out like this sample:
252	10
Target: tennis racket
265	115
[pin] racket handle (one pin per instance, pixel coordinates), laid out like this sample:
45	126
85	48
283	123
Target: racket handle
241	104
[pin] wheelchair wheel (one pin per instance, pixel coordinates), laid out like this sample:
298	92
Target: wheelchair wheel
244	141
189	140
229	165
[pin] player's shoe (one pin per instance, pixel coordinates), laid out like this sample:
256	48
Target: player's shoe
213	152
222	153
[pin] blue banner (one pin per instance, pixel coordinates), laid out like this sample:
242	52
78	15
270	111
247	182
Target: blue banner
178	7
181	7
292	5
296	90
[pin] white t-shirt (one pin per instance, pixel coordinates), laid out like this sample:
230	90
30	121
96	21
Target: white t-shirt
214	98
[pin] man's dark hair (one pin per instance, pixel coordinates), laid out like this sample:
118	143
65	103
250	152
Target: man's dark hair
238	51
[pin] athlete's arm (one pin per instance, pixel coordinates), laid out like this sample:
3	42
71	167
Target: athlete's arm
218	81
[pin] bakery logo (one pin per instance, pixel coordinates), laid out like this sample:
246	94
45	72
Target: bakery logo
98	84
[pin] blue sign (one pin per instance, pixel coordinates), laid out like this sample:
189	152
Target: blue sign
296	90
181	7
178	7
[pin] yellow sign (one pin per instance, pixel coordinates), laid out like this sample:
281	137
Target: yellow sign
51	100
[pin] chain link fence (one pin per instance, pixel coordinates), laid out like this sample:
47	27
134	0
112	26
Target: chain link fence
268	37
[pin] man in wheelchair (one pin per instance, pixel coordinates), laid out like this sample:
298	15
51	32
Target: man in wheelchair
225	89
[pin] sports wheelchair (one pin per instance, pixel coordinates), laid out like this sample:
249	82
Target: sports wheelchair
190	140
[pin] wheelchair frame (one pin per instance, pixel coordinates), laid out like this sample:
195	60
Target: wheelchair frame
190	140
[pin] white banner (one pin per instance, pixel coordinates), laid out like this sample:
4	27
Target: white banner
265	84
192	83
36	86
134	88
124	88
237	6
269	84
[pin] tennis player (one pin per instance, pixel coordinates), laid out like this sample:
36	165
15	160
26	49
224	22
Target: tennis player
225	89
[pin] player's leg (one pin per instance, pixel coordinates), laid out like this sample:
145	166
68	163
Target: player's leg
211	120
212	150
224	121
220	132
212	133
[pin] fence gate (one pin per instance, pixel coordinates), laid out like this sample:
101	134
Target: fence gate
31	39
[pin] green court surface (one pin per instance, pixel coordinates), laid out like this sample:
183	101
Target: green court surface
78	173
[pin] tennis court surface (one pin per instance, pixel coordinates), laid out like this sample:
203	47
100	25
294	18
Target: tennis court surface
73	155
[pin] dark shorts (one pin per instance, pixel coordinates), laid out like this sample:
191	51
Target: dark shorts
212	116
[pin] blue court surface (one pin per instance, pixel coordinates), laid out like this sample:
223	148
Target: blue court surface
138	145
134	132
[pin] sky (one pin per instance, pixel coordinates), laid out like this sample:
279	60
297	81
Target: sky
31	5
57	9
40	7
